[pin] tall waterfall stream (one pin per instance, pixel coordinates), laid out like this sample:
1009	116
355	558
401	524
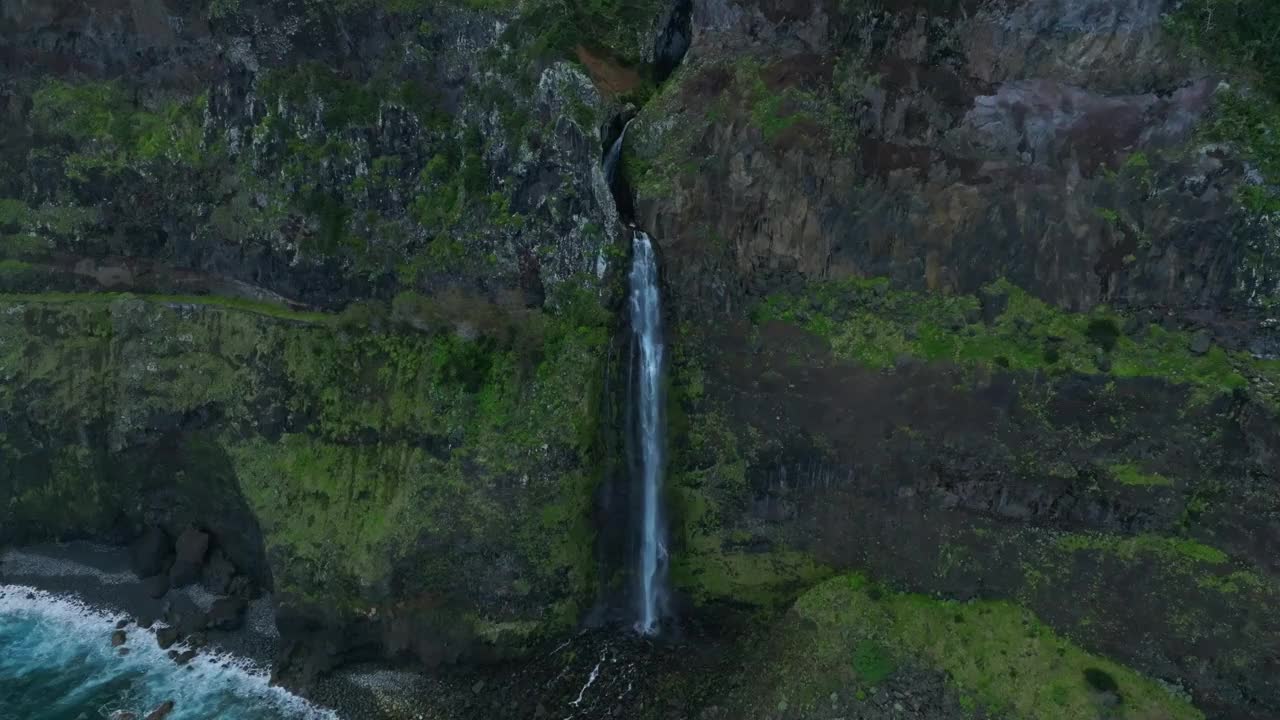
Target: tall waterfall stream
645	404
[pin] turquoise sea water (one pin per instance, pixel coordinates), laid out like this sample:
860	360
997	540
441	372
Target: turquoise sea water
57	663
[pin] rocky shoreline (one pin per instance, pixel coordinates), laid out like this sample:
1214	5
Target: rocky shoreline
186	621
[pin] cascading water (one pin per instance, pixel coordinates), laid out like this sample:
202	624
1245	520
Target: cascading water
615	152
647	404
646	414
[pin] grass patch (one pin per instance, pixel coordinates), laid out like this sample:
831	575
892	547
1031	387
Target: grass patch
256	307
868	322
1132	474
997	653
1176	550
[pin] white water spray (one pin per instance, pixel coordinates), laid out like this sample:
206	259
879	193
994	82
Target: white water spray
646	326
615	152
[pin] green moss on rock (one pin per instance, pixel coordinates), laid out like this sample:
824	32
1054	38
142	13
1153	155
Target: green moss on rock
868	322
850	632
383	463
1132	474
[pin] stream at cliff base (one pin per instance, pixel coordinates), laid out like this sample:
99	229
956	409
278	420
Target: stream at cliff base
57	663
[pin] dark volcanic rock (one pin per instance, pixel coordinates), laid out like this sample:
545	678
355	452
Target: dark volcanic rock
218	573
151	553
227	614
161	712
1201	342
156	586
118	638
166	637
189	557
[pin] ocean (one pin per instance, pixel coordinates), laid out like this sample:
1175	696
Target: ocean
57	663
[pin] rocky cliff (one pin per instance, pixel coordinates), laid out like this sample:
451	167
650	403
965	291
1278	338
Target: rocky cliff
972	303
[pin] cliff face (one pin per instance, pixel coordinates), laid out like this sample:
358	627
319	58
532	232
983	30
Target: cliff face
969	301
185	183
404	493
1062	146
979	297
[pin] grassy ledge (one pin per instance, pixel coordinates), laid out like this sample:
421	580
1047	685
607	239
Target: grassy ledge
998	654
867	322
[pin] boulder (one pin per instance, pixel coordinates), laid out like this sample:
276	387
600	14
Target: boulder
218	573
1200	342
118	638
156	586
241	587
227	613
993	306
189	556
166	637
161	712
151	553
185	657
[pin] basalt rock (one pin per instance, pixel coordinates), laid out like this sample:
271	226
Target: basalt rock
156	586
226	614
218	573
161	712
151	554
166	637
189	553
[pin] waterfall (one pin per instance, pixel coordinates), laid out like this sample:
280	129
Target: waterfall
647	401
615	152
646	425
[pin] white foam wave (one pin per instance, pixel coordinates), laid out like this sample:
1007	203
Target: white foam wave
200	689
17	562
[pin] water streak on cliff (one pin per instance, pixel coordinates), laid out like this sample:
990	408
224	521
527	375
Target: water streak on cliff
647	401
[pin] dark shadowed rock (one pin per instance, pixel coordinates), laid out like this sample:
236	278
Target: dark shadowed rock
118	638
1200	342
122	624
218	573
186	617
227	614
156	586
241	587
185	657
166	637
161	712
150	554
189	555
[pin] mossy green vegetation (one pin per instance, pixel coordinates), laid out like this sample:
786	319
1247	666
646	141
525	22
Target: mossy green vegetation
28	232
869	322
717	561
113	131
1129	547
1239	35
362	443
551	29
848	632
1132	474
1181	559
1251	123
